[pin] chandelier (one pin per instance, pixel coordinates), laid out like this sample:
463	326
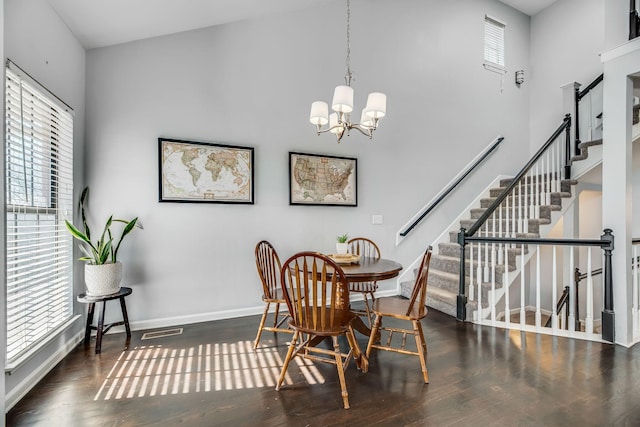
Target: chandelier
340	120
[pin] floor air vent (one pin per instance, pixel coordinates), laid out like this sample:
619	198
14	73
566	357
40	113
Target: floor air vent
162	334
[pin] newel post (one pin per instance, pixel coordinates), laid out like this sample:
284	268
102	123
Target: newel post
567	143
608	315
461	303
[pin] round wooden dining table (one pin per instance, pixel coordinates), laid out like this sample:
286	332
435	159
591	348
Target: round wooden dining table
369	270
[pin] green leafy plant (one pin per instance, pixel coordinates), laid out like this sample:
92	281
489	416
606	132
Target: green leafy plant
103	250
343	238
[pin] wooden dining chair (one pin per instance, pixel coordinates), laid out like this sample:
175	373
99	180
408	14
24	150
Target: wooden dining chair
268	265
317	296
412	310
365	248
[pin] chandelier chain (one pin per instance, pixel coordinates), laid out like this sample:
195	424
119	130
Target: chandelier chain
349	75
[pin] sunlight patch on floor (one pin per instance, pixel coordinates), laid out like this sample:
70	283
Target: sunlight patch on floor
148	371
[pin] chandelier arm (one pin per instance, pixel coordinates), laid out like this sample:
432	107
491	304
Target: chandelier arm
357	126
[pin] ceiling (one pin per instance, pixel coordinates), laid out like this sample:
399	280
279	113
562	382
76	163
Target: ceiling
108	22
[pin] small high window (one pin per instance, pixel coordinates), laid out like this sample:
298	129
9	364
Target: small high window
493	43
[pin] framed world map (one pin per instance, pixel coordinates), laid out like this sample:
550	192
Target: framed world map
322	180
203	172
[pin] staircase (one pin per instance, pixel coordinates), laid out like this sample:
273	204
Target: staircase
444	271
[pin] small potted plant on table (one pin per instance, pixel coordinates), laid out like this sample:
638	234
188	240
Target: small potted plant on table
103	272
342	246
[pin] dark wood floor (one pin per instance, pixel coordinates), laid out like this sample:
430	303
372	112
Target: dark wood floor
479	376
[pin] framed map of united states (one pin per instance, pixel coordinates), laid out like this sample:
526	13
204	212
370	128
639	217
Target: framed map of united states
322	180
203	172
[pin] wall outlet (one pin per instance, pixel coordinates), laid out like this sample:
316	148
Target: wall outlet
377	219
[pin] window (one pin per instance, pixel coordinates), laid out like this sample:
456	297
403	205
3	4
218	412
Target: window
39	193
493	43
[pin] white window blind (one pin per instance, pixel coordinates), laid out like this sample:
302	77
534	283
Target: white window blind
39	193
493	41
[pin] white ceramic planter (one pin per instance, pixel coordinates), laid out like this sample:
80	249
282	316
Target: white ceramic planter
342	248
101	280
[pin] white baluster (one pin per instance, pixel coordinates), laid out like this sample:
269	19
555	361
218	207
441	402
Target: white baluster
527	213
537	190
538	272
500	254
514	219
485	277
554	292
548	180
572	294
471	273
505	285
634	306
520	225
589	307
492	303
523	314
479	265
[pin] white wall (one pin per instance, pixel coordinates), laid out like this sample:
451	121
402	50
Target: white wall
251	83
41	44
566	40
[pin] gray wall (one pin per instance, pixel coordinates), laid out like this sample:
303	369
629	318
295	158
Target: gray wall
251	83
40	43
566	40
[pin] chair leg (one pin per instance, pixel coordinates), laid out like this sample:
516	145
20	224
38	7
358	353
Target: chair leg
367	306
421	344
343	384
264	317
361	360
287	359
374	333
275	316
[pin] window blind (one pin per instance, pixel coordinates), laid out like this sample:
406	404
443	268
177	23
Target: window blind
493	41
39	193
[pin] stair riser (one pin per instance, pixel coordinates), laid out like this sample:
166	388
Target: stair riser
537	178
545	212
555	199
452	266
565	187
534	225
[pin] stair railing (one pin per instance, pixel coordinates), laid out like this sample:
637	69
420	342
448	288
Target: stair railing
505	224
516	250
438	198
509	215
579	95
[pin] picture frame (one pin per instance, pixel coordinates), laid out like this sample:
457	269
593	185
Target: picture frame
205	172
322	180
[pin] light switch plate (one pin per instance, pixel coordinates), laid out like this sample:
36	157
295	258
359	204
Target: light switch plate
377	219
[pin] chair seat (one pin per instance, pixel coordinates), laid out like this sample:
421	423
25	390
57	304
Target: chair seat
278	296
397	307
341	325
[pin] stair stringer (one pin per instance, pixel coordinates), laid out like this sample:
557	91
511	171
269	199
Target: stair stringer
545	229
